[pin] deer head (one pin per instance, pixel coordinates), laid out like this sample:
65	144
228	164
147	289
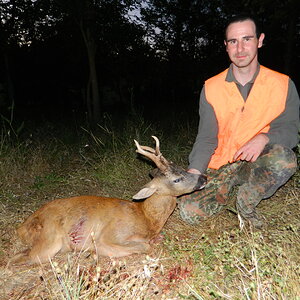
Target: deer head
169	179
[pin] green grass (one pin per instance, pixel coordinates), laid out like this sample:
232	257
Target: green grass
215	260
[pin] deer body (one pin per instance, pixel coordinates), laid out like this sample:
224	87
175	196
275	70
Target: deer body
109	226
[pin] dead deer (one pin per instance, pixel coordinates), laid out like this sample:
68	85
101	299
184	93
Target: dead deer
109	226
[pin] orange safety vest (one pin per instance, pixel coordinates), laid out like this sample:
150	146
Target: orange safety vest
239	121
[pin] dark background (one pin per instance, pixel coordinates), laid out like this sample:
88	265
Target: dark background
82	59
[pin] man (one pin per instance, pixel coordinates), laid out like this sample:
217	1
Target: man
249	122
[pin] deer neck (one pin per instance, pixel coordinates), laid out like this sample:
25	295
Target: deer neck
157	209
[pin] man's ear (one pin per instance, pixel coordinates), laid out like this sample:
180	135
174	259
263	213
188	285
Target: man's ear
225	43
260	40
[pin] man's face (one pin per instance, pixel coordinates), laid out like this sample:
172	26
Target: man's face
242	44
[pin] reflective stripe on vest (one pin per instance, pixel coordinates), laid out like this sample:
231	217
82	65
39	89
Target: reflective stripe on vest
239	121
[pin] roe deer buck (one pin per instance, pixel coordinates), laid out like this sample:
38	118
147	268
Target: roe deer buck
111	227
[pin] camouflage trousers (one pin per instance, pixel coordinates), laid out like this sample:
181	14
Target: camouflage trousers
256	180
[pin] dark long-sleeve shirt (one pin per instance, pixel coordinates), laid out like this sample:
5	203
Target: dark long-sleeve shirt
283	129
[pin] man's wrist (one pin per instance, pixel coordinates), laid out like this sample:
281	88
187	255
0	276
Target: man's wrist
266	138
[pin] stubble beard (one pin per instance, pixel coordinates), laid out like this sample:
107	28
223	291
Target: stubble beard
242	63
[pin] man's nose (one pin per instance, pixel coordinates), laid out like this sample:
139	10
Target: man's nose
240	46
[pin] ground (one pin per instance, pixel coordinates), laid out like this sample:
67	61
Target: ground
214	260
172	269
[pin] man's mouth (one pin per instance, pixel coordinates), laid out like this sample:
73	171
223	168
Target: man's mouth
241	56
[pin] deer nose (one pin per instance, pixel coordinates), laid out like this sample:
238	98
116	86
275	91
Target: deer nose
202	180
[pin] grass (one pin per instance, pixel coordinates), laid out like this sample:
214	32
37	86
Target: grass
215	260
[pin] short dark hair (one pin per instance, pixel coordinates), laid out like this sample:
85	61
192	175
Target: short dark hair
242	18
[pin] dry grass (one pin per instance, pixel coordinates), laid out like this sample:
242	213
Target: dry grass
215	260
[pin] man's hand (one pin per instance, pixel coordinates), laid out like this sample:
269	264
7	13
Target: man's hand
194	171
252	149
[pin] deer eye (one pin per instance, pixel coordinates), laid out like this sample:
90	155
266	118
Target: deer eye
177	180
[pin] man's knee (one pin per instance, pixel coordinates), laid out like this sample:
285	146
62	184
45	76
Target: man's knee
194	209
278	159
279	153
271	170
191	214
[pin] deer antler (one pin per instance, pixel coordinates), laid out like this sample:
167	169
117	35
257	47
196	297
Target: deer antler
154	155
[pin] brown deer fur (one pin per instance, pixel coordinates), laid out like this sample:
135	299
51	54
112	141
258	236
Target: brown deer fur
109	226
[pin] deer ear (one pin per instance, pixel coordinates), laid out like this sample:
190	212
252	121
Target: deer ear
144	193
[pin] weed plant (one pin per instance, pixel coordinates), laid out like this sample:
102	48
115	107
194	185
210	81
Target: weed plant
214	260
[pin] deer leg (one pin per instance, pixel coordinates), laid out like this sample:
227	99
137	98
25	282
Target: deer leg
42	250
114	247
119	250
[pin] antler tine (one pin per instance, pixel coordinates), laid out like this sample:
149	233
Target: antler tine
158	153
144	150
149	149
152	154
157	146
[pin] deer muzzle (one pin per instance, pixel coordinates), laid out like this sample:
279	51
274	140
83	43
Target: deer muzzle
202	180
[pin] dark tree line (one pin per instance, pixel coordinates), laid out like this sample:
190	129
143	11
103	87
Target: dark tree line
89	56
